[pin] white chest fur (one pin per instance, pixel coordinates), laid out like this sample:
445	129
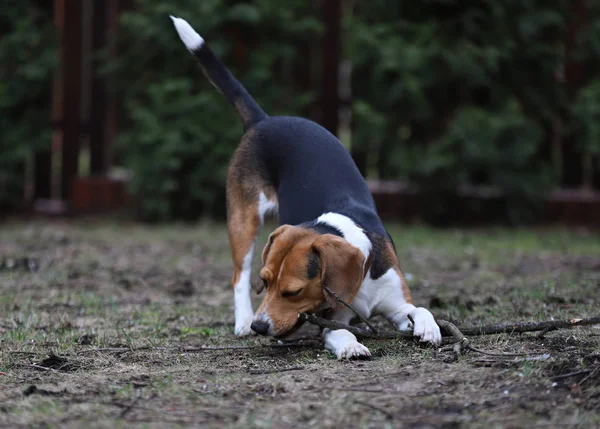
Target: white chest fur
352	233
383	296
375	296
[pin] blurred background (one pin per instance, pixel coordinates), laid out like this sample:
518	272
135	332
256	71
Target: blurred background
456	112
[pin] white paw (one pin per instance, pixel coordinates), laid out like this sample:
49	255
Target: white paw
352	351
406	325
243	329
243	311
343	344
425	327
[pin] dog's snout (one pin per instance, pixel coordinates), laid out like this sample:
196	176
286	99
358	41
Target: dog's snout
260	327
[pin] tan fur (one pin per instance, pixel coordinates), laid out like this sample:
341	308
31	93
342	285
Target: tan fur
243	192
242	110
405	289
286	258
279	231
243	224
390	255
341	267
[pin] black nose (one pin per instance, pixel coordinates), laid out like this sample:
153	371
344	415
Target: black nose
260	327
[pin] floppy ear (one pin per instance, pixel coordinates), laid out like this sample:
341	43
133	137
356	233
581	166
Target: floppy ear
272	237
341	267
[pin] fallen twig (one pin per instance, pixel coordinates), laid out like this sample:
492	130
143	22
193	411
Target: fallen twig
191	349
133	404
507	328
591	374
332	324
340	300
383	411
570	374
547	326
43	368
517	359
501	354
272	371
542	333
110	349
448	328
461	341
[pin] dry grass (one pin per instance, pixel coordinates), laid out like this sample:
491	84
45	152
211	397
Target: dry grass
100	325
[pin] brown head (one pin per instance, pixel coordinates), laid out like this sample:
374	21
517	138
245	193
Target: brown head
297	262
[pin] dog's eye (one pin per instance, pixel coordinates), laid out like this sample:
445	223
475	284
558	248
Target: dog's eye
265	283
287	293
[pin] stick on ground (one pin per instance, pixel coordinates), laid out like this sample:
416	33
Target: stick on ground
506	328
332	324
198	349
341	301
550	325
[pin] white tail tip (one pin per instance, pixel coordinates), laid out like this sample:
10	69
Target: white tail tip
188	35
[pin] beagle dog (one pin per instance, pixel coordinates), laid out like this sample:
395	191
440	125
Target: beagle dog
330	231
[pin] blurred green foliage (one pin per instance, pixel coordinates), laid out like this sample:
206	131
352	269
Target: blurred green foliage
179	132
28	56
446	94
464	93
586	117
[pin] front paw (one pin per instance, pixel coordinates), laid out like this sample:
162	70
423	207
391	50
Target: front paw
426	328
243	329
353	351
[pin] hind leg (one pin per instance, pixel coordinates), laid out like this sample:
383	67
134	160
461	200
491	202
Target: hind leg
244	222
249	199
243	230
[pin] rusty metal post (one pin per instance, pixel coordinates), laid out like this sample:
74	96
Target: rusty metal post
98	108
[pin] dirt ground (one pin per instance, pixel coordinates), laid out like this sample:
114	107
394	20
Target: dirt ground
120	325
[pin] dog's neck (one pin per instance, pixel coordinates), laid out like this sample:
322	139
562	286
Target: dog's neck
350	231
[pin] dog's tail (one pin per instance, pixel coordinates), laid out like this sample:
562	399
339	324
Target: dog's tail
246	107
